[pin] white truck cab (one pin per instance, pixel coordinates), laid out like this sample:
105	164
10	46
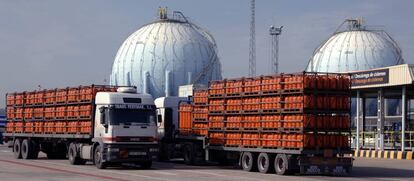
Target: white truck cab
125	129
167	112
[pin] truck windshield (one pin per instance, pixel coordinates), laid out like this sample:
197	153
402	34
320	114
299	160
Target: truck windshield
131	116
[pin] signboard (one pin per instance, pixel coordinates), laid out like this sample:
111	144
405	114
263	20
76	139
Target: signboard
370	77
133	106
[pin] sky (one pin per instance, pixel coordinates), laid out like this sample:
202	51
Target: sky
59	43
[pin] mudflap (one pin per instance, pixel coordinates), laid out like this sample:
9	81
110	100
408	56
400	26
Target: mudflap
325	166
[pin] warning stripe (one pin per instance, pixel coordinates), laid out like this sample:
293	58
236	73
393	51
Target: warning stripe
400	155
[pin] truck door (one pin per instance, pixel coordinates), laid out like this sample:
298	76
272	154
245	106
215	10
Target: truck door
168	124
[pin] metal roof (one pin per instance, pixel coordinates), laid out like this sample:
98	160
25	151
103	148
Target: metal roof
355	48
383	77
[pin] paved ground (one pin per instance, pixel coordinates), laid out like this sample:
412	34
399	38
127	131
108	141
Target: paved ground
60	170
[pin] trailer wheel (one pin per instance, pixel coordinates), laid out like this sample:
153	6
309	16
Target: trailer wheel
27	149
74	157
249	162
17	151
98	158
189	154
281	164
264	163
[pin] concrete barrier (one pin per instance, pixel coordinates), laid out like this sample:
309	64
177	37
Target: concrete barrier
399	155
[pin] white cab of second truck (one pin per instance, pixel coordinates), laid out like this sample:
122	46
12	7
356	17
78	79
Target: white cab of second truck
167	108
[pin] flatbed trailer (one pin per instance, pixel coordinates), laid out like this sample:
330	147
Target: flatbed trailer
195	150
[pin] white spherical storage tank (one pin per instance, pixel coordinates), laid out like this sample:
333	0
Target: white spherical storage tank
162	55
355	48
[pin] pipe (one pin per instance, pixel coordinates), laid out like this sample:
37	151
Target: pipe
146	82
189	77
167	83
404	115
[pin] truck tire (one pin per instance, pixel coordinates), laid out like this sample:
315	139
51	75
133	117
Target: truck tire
264	163
27	149
98	158
17	151
74	157
281	164
146	164
189	154
249	162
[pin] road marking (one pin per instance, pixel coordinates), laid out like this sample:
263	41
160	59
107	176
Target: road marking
218	175
200	172
120	173
164	173
63	170
388	179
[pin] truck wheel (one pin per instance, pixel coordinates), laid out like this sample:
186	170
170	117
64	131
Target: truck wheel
189	155
248	162
74	157
146	164
17	151
281	164
98	158
264	163
27	149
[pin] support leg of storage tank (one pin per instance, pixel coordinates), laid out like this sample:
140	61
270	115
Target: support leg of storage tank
265	163
74	155
281	164
249	161
17	151
98	158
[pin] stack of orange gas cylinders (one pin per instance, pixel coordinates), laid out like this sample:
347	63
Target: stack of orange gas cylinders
185	114
295	111
200	112
234	87
216	122
234	105
53	111
251	104
252	86
234	122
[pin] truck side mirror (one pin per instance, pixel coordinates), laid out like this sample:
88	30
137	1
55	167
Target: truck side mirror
159	118
102	117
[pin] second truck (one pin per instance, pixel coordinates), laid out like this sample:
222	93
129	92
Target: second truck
288	123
